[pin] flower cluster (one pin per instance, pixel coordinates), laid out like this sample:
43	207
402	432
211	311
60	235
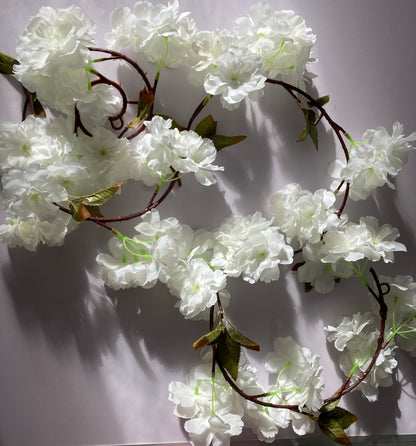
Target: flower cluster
43	163
215	412
373	161
401	303
195	265
233	64
303	215
330	245
52	53
163	150
358	335
160	32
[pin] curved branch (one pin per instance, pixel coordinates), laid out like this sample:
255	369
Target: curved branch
379	296
118	55
338	130
255	398
119	116
335	126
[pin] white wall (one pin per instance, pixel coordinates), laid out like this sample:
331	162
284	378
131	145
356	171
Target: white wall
82	364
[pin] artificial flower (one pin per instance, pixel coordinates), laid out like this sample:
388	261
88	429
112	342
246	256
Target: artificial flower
237	76
250	246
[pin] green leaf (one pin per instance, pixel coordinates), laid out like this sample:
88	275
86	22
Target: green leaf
208	339
100	197
333	422
144	104
303	135
228	341
238	337
329	406
313	133
7	63
87	206
228	353
310	127
221	141
323	100
207	127
175	124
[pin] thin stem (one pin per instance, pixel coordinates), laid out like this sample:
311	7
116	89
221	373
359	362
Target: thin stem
25	105
28	103
155	84
79	125
214	347
198	110
344	201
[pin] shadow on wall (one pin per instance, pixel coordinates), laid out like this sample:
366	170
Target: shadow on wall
51	294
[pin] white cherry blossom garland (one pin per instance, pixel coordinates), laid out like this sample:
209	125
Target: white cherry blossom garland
57	172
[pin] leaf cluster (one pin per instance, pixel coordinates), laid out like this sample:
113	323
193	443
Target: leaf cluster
228	341
309	115
334	420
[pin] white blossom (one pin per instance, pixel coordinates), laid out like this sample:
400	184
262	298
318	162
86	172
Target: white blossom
251	247
353	242
401	316
122	269
206	47
52	53
33	232
157	30
358	335
236	77
213	409
161	149
33	141
347	329
31	193
373	161
281	38
321	276
299	374
105	157
382	243
196	285
194	154
157	251
302	214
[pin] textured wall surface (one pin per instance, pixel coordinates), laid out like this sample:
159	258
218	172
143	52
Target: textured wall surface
83	364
